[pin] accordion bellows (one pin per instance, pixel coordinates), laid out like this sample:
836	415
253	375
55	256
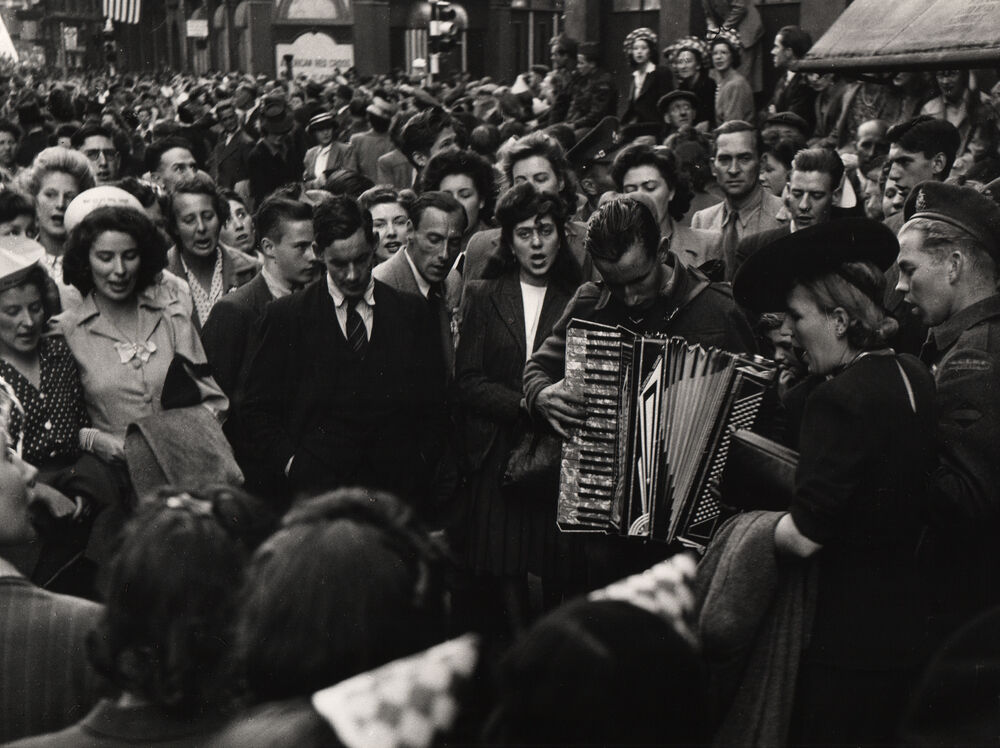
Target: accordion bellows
660	414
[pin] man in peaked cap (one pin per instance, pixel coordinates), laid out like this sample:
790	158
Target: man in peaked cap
948	268
591	159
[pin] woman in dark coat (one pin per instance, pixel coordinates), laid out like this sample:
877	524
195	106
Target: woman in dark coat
689	58
504	319
866	449
648	82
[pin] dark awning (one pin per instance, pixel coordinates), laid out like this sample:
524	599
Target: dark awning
882	35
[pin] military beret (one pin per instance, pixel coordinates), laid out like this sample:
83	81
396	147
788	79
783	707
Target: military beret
962	207
762	282
590	50
679	95
598	144
791	119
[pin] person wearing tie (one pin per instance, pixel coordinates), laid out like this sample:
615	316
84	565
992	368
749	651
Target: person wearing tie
424	267
747	208
347	386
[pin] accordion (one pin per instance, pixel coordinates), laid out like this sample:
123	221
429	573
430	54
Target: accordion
660	415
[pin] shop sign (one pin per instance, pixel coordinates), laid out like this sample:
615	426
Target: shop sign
316	55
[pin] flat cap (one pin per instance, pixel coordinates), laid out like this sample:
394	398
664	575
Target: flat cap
678	95
963	207
791	119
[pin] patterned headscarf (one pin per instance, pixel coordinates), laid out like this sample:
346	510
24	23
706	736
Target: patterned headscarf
727	35
691	44
644	33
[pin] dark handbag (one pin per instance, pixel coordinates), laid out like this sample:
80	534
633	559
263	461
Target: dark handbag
533	462
759	473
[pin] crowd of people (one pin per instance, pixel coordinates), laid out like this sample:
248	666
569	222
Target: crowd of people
283	388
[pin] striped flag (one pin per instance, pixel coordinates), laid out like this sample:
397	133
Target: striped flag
124	11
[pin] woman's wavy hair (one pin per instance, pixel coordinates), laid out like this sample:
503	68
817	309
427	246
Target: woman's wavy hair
171	594
152	248
857	288
58	159
666	163
461	161
199	184
369	589
523	201
544	145
734	51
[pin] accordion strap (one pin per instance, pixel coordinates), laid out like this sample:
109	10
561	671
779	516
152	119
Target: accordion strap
909	387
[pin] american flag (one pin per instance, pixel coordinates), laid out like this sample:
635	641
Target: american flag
125	11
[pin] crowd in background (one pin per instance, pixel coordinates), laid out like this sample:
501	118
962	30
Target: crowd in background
282	367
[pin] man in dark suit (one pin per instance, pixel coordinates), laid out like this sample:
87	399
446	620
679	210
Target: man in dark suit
346	386
46	682
230	160
792	92
423	268
288	246
274	159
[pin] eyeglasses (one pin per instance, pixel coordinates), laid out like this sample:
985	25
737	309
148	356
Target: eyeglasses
94	154
544	231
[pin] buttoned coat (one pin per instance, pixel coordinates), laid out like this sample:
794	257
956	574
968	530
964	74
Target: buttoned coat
230	162
643	108
375	420
397	273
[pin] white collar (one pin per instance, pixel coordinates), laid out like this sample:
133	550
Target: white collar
339	299
277	286
422	284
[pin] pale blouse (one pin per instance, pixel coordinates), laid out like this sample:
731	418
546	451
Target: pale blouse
123	380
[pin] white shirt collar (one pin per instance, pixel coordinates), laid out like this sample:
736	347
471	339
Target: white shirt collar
277	286
422	284
339	299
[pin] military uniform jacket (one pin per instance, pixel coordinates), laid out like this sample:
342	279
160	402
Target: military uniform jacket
592	97
964	353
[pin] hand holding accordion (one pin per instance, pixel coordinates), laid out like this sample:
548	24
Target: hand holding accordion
660	416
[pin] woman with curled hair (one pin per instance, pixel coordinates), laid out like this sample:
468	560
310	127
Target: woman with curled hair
540	160
649	81
56	176
653	175
128	328
504	320
867	446
372	583
165	634
470	179
733	96
196	213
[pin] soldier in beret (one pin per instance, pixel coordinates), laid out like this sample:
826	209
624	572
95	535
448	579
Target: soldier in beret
592	92
948	260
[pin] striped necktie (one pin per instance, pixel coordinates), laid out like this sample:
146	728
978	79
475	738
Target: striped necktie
357	335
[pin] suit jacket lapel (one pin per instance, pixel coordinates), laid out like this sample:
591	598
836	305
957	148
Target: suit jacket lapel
552	308
510	306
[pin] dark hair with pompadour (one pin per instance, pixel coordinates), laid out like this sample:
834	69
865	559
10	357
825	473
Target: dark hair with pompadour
340	218
619	225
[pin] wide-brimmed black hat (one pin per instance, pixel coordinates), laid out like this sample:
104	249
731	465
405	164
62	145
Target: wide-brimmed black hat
762	283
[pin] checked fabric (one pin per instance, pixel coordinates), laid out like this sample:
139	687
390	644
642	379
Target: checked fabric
403	704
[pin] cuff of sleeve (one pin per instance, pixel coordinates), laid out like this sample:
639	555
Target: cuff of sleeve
811	526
